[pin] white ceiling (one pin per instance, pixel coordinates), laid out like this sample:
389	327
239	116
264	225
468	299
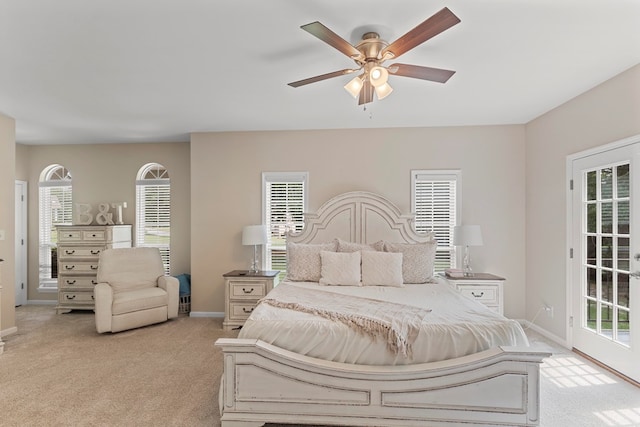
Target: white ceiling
79	71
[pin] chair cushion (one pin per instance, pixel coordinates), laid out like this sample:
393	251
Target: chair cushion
130	268
138	299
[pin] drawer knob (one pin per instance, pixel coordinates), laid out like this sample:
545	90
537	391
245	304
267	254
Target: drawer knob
93	235
480	295
69	267
69	252
71	282
95	252
94	267
94	282
69	235
247	311
250	291
70	296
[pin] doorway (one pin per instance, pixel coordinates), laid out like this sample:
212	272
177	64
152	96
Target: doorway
605	238
21	243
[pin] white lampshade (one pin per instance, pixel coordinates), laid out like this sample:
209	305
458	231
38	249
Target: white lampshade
383	91
467	235
254	235
354	86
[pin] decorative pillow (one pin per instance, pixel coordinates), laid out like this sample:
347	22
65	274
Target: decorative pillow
417	260
303	260
344	246
382	269
340	268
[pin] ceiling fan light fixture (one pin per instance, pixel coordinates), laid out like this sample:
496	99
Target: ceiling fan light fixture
378	76
383	90
354	86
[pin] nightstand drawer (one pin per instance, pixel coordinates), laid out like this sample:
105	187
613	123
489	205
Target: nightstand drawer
240	311
487	295
246	289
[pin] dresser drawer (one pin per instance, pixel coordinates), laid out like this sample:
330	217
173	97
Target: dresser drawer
79	252
94	235
487	295
70	236
77	282
240	311
78	267
246	289
75	297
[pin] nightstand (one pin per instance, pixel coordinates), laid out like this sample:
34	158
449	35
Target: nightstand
242	290
482	287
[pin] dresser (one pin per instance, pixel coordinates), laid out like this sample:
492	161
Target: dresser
242	290
79	248
483	287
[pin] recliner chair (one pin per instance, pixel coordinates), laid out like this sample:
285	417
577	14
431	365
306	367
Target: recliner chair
132	290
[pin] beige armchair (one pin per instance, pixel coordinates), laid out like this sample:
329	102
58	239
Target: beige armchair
132	290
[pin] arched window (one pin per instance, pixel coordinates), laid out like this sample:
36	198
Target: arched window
153	210
55	208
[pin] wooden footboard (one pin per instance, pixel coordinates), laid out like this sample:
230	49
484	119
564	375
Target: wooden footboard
263	383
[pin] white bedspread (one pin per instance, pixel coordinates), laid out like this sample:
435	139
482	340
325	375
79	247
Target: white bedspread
456	326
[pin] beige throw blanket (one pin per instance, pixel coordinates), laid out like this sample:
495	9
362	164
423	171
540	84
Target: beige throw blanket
397	324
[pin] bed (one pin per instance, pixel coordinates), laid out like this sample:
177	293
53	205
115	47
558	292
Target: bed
300	367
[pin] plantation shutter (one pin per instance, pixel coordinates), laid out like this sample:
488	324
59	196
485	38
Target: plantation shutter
435	207
153	216
55	208
284	208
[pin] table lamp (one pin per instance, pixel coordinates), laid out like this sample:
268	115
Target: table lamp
254	235
467	235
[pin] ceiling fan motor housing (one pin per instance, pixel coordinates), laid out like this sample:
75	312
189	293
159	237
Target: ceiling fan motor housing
370	46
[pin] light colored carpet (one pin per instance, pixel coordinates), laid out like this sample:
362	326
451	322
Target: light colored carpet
57	371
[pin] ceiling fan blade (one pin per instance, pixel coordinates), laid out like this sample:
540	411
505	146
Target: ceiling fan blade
417	72
332	39
431	27
366	93
321	77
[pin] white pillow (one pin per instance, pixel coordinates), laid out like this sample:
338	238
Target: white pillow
344	246
382	269
340	268
303	260
418	260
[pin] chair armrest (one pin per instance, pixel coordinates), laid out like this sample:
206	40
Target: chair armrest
172	286
103	297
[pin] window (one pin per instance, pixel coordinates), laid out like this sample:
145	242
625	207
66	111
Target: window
284	203
153	210
435	202
55	208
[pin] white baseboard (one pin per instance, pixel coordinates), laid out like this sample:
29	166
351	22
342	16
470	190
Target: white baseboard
8	331
41	302
553	337
216	314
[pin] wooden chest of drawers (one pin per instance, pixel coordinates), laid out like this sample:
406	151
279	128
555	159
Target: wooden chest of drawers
79	248
242	291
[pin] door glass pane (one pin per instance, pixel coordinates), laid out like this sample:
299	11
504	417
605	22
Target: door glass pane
606	183
607	217
592	285
623	327
591	314
622	187
623	290
591	250
607	286
607	252
623	253
606	313
623	217
592	188
592	218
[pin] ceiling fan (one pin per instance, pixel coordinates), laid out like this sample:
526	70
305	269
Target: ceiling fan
371	52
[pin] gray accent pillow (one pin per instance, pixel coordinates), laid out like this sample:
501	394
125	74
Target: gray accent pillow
303	260
418	260
344	246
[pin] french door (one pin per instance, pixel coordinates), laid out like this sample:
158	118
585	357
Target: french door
606	257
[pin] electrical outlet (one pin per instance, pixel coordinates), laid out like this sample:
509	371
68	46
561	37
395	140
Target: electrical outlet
548	309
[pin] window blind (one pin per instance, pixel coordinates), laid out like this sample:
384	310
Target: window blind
153	217
435	206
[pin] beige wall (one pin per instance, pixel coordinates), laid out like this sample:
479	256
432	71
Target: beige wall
607	113
7	220
226	189
107	173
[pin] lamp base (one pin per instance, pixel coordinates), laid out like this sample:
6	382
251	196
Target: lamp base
466	269
254	264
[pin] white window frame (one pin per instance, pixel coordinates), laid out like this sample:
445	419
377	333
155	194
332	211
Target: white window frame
59	177
154	176
445	241
279	177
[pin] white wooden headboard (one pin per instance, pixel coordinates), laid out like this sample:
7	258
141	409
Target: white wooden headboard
359	217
